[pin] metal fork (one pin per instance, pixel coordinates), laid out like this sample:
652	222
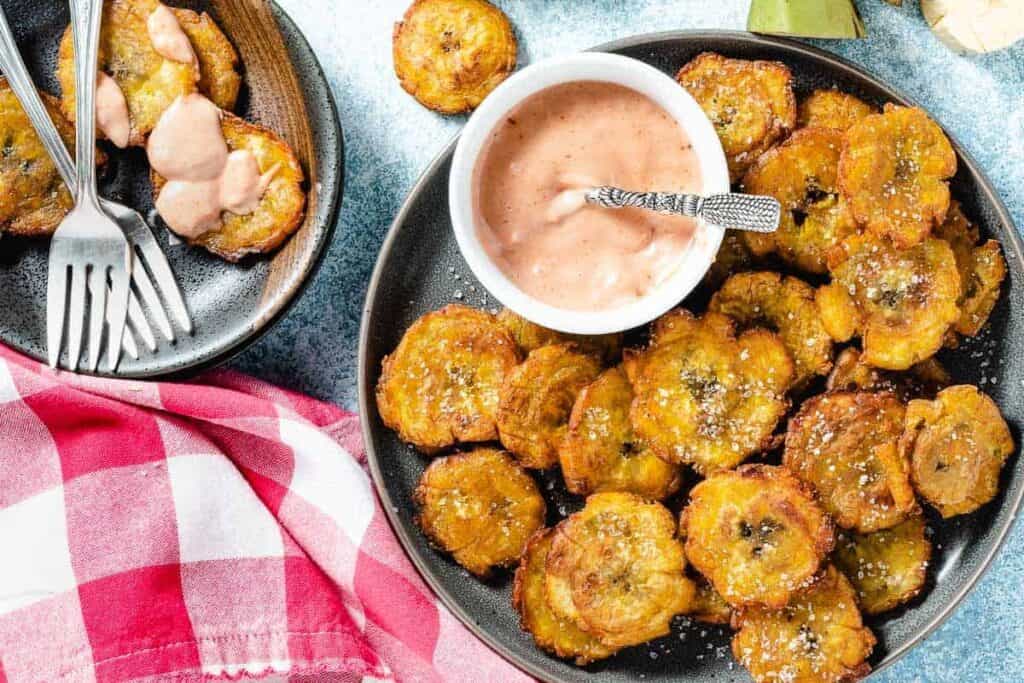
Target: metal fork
88	247
131	223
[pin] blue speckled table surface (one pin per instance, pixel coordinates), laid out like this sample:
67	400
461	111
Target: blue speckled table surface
390	139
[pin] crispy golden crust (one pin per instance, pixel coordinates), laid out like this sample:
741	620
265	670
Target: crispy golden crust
887	568
981	267
756	533
617	570
957	444
893	170
785	305
33	199
844	444
441	385
922	380
901	302
531	336
219	79
536	400
801	174
450	54
818	638
150	82
479	506
708	606
733	256
704	396
282	207
750	103
600	452
551	632
832	109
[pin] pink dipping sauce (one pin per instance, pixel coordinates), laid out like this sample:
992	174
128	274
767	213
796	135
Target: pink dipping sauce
167	36
529	187
112	111
187	147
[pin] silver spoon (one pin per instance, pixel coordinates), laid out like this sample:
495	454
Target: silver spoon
734	211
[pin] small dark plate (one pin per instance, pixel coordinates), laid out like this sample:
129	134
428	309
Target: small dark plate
231	304
416	272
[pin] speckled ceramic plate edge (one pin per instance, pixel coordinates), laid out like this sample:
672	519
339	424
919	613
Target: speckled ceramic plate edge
365	373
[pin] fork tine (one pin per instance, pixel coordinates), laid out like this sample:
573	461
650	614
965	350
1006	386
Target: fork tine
152	301
56	307
76	315
128	344
161	269
120	290
138	320
97	314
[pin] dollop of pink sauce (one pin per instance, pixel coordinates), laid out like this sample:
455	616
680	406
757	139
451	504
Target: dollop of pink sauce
167	36
204	179
534	171
112	111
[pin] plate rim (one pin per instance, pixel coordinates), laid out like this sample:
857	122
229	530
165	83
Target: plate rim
365	393
264	319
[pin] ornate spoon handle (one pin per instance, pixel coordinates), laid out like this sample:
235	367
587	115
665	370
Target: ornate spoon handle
735	211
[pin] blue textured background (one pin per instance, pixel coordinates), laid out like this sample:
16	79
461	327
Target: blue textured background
390	139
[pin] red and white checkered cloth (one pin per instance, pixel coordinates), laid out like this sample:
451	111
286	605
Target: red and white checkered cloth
198	531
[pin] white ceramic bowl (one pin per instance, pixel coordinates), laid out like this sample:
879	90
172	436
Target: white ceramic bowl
587	66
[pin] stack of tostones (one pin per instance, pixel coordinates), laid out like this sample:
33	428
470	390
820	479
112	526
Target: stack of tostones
750	104
704	396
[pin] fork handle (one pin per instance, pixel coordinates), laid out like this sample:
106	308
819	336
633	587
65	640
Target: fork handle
86	16
731	210
21	84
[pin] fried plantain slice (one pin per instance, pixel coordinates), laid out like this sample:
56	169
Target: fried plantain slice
33	198
981	267
893	170
801	174
756	533
280	210
536	401
832	109
922	380
733	256
844	444
530	336
901	301
219	79
480	506
617	570
450	54
750	103
600	452
149	81
708	607
785	305
887	568
529	598
441	385
818	638
957	444
704	396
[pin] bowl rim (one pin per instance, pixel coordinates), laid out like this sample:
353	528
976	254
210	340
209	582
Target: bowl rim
583	67
365	374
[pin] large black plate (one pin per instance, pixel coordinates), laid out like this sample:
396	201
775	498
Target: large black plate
231	304
417	270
